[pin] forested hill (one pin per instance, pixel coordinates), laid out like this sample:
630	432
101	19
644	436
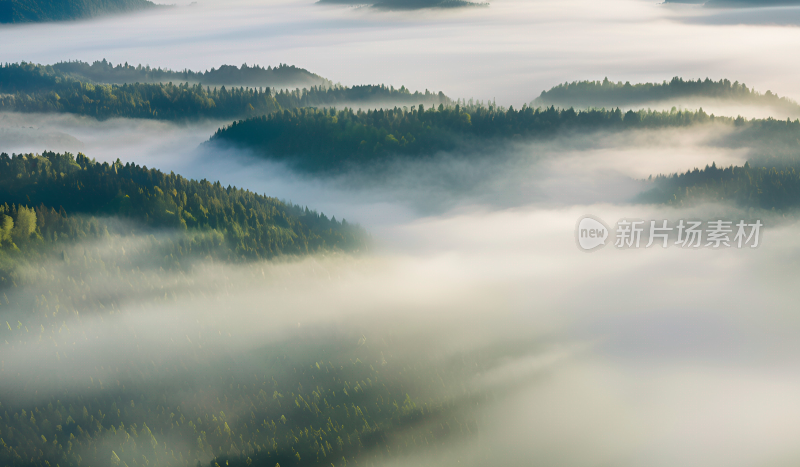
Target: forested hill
26	87
331	140
25	11
583	94
282	76
57	197
747	186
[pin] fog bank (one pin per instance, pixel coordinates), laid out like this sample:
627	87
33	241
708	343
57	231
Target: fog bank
510	51
605	353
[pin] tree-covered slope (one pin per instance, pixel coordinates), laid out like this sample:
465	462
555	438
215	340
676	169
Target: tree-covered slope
281	76
583	94
54	188
746	186
36	88
24	11
26	87
332	140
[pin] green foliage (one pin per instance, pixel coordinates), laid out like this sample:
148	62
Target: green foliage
43	89
25	224
317	96
23	11
227	75
253	226
343	412
6	226
749	187
584	94
330	140
323	397
74	87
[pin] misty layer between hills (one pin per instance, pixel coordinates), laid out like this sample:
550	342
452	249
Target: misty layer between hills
406	4
738	3
482	334
495	315
476	314
16	11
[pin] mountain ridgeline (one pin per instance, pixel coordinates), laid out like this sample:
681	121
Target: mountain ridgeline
282	76
584	94
62	191
330	140
26	11
747	186
27	87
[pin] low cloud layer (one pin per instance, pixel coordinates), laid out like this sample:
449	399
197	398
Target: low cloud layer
655	357
650	356
510	51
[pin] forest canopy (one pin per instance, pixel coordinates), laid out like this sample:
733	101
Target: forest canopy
330	140
52	189
26	11
281	76
583	94
745	186
27	87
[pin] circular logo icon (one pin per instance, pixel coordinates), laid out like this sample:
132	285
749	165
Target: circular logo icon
591	233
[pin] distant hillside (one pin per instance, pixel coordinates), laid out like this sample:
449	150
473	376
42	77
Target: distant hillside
329	140
35	88
27	11
25	87
333	141
774	188
282	76
584	94
64	191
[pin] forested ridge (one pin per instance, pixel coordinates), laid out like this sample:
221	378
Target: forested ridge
23	11
27	87
746	186
283	75
57	197
329	139
360	94
35	88
608	93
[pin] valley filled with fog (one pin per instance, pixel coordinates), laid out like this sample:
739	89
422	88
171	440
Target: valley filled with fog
510	52
472	297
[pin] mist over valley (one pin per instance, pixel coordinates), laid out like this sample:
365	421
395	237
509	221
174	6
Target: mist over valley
297	233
